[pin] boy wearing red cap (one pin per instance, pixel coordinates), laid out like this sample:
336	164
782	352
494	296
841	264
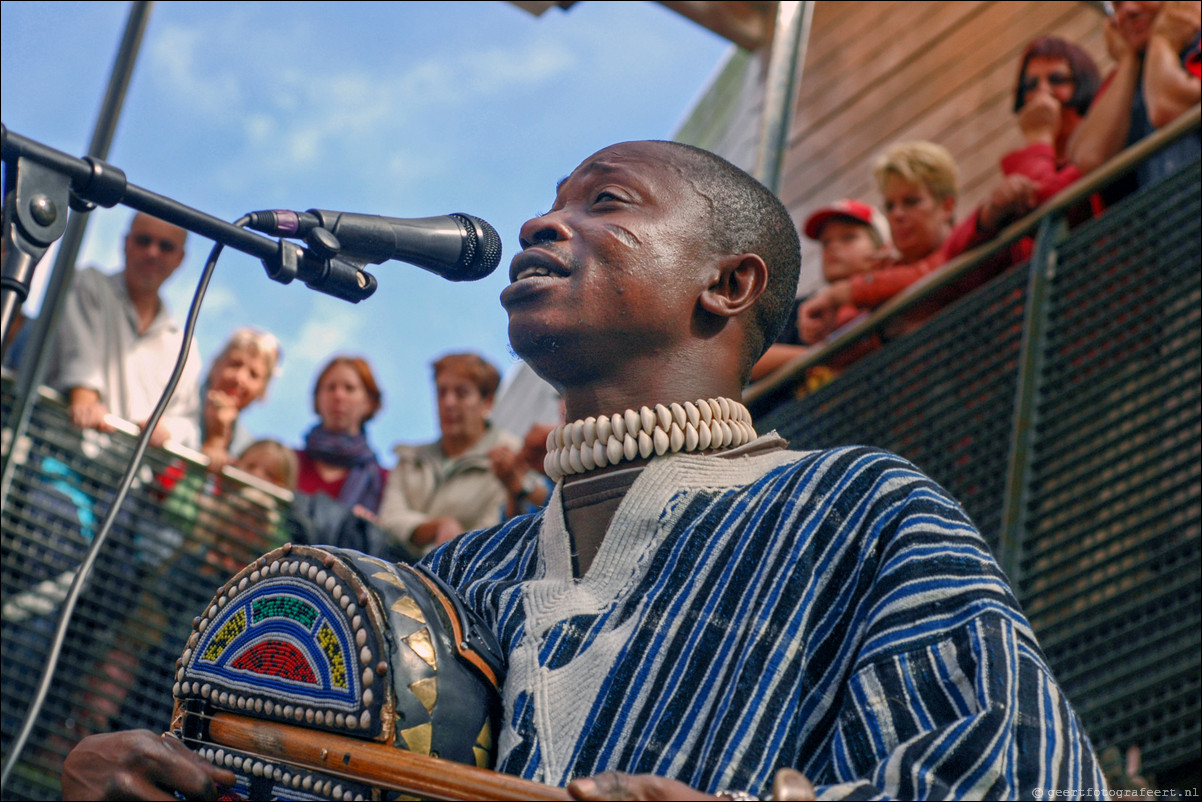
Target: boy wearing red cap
855	239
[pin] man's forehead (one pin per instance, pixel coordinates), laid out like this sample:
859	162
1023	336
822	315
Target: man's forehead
144	222
640	159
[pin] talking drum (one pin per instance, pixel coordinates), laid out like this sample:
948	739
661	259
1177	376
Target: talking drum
325	645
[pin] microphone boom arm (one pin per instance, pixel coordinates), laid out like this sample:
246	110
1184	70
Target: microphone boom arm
95	182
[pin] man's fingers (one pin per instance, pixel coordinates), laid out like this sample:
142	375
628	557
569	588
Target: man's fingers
792	785
192	775
615	785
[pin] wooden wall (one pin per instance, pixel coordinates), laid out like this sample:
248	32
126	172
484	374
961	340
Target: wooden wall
882	72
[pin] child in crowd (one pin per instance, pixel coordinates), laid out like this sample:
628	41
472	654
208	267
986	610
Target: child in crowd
271	461
855	239
919	182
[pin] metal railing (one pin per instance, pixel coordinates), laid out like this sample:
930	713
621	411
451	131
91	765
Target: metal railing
181	533
1060	403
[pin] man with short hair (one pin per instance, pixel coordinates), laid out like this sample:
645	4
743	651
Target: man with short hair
699	610
118	343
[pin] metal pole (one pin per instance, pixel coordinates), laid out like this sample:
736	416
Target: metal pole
790	39
1029	381
33	364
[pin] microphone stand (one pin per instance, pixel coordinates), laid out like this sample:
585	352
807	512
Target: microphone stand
41	183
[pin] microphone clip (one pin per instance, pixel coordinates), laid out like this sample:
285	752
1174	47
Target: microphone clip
320	267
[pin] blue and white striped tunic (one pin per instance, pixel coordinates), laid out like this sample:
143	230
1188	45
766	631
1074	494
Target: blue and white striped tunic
833	611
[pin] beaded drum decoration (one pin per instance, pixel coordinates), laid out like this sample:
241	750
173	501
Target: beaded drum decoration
336	640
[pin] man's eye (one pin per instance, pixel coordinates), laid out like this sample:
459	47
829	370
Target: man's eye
606	196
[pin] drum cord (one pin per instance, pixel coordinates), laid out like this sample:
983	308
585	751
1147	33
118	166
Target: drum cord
85	568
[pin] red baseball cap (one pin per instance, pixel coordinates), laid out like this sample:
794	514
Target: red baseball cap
862	212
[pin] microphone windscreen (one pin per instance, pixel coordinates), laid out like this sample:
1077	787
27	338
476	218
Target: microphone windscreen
482	249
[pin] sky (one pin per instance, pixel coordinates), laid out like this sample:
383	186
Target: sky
406	109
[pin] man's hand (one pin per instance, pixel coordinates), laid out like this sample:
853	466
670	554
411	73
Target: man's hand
789	785
1178	22
137	764
509	468
1039	118
86	410
616	785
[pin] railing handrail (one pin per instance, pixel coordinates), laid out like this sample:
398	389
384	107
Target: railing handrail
788	373
197	459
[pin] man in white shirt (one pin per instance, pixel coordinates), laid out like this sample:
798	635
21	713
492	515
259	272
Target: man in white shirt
117	344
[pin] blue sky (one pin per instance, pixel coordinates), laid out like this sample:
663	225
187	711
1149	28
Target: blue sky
400	109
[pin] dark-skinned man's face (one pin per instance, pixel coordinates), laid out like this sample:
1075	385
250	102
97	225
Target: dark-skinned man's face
612	269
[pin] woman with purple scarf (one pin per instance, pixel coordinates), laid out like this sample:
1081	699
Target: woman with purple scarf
337	460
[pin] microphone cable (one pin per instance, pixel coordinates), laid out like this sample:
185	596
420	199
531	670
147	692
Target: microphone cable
85	568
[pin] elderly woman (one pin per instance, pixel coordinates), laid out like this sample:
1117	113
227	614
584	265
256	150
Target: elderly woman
442	489
238	378
336	459
1057	82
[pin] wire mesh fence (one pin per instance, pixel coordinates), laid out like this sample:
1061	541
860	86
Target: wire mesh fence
180	534
1106	561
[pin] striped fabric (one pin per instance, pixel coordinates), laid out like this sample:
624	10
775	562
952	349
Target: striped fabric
831	611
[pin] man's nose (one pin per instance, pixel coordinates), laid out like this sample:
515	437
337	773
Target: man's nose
547	227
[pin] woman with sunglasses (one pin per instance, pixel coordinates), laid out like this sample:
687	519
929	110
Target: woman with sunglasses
1057	81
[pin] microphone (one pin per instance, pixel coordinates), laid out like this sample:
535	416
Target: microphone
457	246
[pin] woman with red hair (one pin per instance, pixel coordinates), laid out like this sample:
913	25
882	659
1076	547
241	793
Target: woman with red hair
1057	81
337	460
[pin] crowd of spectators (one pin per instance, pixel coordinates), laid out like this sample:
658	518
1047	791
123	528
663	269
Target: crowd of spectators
118	342
1070	121
117	347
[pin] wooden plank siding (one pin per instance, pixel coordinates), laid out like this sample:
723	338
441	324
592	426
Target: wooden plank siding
882	72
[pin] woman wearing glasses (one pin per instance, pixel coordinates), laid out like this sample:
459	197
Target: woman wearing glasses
1057	82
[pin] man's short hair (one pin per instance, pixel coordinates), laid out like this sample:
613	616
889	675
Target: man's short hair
746	217
136	215
475	368
924	163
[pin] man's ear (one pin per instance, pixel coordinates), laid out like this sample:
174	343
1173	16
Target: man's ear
739	281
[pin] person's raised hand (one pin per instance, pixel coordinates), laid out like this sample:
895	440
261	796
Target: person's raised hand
1039	118
1012	197
817	315
1178	22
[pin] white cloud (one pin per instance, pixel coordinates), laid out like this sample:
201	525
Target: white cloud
174	59
293	119
335	328
517	68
